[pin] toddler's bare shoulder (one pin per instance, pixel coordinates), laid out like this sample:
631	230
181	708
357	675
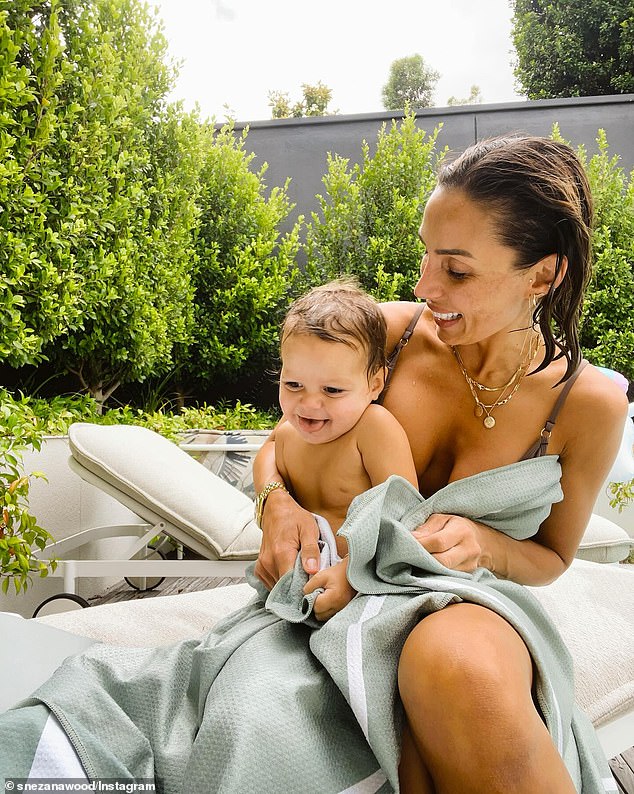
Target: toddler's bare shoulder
378	417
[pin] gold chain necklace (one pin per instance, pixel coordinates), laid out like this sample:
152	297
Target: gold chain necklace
481	386
485	409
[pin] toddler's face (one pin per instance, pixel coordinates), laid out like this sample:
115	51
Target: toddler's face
324	387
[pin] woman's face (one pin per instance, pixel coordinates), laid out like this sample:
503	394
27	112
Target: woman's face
467	276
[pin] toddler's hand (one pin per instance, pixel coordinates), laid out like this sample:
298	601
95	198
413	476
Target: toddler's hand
338	591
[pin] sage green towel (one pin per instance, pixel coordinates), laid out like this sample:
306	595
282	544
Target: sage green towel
270	701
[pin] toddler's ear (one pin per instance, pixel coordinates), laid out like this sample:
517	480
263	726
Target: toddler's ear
377	382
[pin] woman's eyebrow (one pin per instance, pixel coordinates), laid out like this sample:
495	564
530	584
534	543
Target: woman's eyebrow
454	252
447	251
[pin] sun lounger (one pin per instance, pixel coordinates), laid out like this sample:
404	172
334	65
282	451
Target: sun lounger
172	493
592	604
176	496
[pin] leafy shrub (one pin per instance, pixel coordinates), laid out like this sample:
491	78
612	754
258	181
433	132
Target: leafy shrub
27	419
97	192
607	326
36	284
246	273
370	213
19	530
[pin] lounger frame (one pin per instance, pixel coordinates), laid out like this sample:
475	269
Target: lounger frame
70	567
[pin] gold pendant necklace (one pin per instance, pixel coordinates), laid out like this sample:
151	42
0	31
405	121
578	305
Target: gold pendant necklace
481	386
484	409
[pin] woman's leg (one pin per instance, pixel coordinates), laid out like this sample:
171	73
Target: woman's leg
465	679
412	774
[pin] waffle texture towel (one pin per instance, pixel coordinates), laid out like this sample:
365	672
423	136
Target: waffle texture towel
269	700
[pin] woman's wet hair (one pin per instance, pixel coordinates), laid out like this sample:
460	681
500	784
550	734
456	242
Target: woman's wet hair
341	311
540	202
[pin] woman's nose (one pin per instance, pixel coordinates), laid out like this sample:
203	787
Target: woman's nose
428	285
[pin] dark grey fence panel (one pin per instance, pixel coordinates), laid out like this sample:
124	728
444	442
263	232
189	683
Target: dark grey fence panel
297	148
579	122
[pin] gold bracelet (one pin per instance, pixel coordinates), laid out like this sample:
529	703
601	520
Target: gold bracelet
263	495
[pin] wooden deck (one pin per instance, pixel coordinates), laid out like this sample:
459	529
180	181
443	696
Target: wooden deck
169	586
623	770
622	765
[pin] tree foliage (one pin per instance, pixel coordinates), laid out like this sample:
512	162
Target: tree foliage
474	98
411	83
370	213
569	48
246	274
37	285
96	188
21	538
315	101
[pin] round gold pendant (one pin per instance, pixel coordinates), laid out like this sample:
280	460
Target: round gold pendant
478	411
489	422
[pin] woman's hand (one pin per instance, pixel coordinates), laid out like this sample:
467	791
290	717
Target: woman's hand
456	542
286	530
337	590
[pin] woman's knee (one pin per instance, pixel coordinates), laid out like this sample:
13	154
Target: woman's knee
464	650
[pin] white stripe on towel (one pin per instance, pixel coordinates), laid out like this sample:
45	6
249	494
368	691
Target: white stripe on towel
369	785
55	756
354	659
609	784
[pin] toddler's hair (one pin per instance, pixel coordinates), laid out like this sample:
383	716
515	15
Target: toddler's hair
340	311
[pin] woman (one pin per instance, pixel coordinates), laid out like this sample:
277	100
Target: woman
491	374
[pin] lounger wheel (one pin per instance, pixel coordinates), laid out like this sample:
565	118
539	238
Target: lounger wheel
145	583
62	602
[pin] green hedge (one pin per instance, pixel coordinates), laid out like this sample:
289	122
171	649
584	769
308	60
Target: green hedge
95	190
136	240
139	242
370	212
246	272
607	327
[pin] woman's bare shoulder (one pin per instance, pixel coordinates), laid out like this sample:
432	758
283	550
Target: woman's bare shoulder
595	391
397	316
595	401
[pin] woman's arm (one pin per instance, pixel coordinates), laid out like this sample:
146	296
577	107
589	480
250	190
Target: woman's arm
591	427
286	527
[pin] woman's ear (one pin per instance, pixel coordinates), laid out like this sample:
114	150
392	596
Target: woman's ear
546	276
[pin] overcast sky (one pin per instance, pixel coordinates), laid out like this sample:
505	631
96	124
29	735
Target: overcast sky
235	51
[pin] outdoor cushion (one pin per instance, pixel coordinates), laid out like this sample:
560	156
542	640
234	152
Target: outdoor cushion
234	466
604	541
154	472
592	606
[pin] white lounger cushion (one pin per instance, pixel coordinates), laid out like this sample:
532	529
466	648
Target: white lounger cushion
157	474
591	604
593	608
604	541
